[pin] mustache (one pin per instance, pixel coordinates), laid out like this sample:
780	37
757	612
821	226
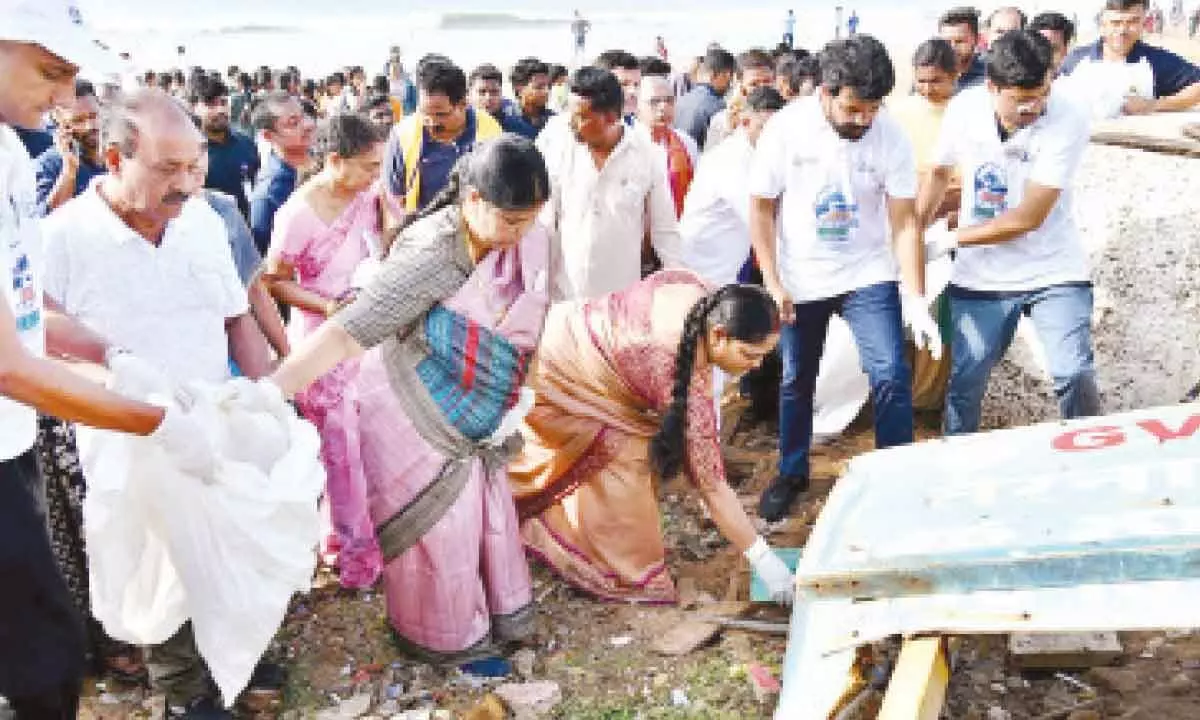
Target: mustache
176	198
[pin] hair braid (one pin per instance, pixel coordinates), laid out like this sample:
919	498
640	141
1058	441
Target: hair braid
667	448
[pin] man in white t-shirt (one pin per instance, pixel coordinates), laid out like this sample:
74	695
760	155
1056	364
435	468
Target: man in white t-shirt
831	174
42	45
1017	145
146	265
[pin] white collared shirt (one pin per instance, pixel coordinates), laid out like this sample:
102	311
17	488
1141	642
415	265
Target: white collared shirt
166	304
715	226
833	195
995	174
20	257
598	218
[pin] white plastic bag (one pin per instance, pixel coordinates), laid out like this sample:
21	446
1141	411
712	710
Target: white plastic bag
164	547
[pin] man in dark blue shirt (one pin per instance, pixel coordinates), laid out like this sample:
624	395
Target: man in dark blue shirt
695	110
1176	81
290	133
35	140
486	85
530	79
232	157
960	27
66	168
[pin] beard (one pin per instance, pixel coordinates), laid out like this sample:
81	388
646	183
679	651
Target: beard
850	131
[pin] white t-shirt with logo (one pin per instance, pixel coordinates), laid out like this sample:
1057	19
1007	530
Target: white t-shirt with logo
994	177
833	193
20	257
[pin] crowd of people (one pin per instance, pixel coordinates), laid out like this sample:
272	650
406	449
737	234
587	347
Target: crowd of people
511	314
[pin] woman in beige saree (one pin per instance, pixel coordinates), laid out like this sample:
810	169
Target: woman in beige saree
623	388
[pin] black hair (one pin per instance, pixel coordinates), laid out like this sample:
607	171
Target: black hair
486	72
764	98
262	77
860	63
209	90
268	109
652	65
245	82
522	73
507	171
938	53
616	60
600	87
347	134
84	88
1126	5
1054	21
719	60
963	15
381	84
378	100
442	78
749	314
806	68
287	78
338	77
1019	58
556	72
754	60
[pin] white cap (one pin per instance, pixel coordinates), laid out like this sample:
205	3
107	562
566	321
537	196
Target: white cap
56	25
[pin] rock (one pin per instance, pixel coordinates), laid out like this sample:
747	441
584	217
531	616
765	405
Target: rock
1016	682
1181	684
348	709
523	661
620	641
685	637
1118	680
996	712
530	700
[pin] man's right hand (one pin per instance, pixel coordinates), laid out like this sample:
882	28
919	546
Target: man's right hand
66	148
787	308
188	444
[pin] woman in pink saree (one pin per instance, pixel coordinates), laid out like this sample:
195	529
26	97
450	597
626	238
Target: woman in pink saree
324	231
624	399
448	328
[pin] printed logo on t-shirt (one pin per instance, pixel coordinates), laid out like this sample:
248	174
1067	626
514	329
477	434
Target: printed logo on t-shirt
24	295
991	191
836	216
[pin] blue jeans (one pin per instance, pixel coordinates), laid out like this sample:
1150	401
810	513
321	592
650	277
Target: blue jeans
873	314
983	326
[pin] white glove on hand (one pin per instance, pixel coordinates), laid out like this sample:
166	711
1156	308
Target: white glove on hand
773	571
134	377
188	445
926	334
511	422
939	243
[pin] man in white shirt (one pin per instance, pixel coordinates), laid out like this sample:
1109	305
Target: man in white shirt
42	45
755	69
147	266
831	174
609	184
1017	145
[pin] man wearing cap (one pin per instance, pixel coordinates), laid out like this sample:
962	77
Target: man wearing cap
42	45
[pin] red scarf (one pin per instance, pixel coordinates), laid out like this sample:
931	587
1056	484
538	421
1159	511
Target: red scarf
679	165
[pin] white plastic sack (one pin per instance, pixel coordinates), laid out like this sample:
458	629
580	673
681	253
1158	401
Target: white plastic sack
164	547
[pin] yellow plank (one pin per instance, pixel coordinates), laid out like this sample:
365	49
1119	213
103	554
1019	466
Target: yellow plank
918	686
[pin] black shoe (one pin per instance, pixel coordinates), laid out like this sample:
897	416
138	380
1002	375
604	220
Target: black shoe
202	708
777	499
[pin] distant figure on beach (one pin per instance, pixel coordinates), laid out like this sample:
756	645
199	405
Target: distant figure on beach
960	27
1002	20
789	30
660	48
579	28
1194	22
852	23
1176	81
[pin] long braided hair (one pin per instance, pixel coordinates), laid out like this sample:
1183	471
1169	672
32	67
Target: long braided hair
749	314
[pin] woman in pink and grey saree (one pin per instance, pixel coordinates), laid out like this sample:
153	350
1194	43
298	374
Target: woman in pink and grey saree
448	327
322	234
623	388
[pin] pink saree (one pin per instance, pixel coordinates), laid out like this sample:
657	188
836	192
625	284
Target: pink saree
582	483
325	257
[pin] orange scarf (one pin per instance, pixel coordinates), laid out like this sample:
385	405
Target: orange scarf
679	165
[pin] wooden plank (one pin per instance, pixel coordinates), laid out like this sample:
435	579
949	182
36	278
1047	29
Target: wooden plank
1052	651
918	686
1181	146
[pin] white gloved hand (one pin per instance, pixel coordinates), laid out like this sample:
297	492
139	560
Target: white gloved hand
134	377
939	243
773	571
257	396
511	422
926	334
189	446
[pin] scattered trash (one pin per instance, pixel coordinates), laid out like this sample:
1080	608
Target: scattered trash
679	698
620	641
530	700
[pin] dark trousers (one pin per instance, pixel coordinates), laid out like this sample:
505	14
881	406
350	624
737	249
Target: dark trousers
41	633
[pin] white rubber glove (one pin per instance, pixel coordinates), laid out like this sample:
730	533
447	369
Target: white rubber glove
915	312
257	396
940	243
511	422
134	377
188	445
773	571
